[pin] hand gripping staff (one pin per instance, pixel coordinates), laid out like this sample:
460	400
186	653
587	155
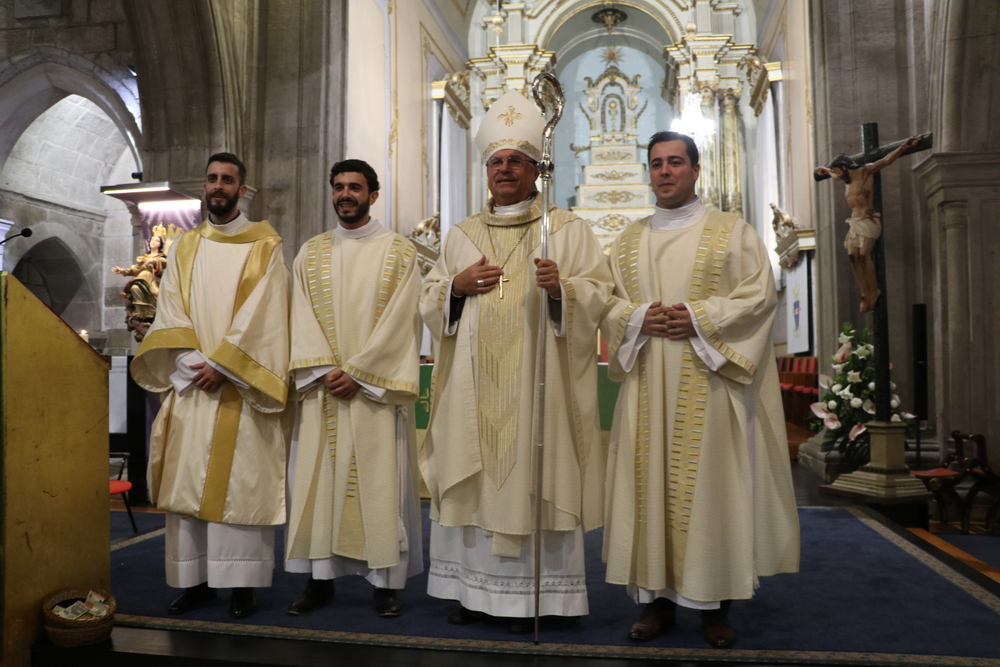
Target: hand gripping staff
548	96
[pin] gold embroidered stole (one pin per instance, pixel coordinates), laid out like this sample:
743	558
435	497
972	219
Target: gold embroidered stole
351	537
501	340
689	412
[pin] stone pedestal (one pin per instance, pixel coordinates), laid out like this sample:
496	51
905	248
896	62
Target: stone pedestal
886	478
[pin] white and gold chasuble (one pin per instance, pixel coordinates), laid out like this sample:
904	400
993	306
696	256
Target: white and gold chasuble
354	305
221	457
700	498
478	456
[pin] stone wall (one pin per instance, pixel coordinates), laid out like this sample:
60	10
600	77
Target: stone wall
961	184
51	183
69	123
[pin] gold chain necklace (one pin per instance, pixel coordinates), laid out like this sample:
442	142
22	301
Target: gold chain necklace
489	234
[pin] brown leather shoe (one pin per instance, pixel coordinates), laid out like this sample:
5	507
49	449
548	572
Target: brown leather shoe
718	632
657	617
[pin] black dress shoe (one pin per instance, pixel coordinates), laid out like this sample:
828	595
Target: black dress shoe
387	604
243	603
463	616
191	598
319	593
718	632
657	617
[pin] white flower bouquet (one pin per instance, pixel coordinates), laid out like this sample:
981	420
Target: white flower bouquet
847	401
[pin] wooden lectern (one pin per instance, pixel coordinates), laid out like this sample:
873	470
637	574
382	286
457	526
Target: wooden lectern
54	502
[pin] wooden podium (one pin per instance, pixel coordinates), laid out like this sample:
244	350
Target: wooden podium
54	500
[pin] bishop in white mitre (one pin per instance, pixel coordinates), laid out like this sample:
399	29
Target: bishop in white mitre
481	303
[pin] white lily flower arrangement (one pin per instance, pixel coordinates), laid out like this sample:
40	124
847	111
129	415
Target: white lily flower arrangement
847	400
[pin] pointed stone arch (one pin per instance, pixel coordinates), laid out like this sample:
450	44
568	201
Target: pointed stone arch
51	271
37	79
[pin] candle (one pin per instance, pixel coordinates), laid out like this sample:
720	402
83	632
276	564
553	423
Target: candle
85	336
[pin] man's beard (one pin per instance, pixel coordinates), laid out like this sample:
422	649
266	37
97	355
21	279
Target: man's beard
220	209
360	211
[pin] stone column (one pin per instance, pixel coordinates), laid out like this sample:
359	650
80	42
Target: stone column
954	216
708	180
961	190
732	195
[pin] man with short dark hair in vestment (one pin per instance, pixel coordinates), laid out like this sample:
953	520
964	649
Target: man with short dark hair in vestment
700	500
218	351
355	354
481	303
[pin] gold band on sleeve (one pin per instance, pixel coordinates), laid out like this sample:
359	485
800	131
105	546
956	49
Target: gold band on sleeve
251	372
169	339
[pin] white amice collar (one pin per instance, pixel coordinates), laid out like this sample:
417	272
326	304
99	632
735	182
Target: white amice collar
514	209
369	229
682	217
237	224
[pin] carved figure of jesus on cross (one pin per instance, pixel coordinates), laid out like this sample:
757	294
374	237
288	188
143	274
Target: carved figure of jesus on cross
864	195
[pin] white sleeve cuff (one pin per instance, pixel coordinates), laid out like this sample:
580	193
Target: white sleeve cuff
560	326
703	347
182	379
634	339
371	390
229	376
449	327
305	378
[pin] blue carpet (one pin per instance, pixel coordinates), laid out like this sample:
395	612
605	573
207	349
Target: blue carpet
984	547
145	521
861	589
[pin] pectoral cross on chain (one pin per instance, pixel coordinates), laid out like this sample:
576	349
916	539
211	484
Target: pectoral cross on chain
501	282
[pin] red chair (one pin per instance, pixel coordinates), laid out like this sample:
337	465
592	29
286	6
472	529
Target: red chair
943	480
121	486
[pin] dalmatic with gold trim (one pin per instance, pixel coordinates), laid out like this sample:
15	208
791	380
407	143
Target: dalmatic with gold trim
700	497
220	456
354	305
478	455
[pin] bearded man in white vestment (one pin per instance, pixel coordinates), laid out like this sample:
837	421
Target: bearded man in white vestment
218	352
355	354
482	308
700	500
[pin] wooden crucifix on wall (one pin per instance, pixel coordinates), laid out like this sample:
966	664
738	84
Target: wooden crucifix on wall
864	240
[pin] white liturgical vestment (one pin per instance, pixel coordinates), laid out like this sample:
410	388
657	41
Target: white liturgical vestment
353	462
700	500
219	457
478	456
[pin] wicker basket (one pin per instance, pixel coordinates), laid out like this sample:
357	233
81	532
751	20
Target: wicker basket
66	632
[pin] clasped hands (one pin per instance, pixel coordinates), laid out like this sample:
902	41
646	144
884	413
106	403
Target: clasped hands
481	278
207	378
340	384
672	322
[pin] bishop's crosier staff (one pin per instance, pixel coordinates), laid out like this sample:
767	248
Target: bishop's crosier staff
546	87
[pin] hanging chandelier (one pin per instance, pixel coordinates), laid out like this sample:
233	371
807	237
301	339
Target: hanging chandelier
609	16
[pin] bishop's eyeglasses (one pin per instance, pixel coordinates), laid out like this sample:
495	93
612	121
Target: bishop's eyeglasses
515	162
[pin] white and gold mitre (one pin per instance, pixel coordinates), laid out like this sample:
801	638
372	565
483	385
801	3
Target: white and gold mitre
512	122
